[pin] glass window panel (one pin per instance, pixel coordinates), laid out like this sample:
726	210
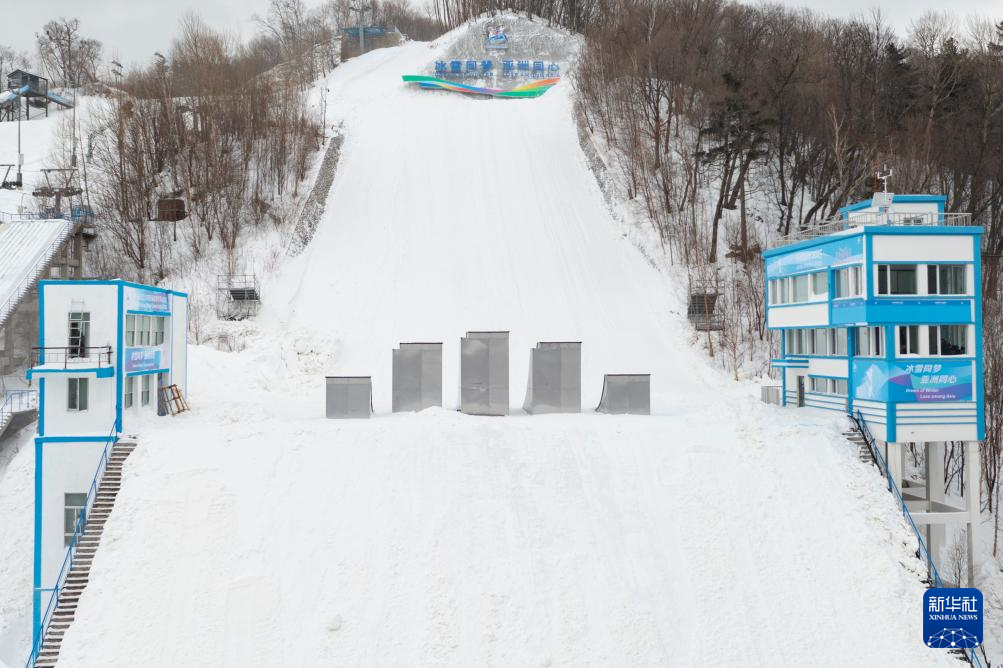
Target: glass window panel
840	336
931	279
820	284
902	279
952	279
953	339
801	287
882	279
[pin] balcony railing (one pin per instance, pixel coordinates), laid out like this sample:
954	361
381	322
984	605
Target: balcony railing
832	225
68	357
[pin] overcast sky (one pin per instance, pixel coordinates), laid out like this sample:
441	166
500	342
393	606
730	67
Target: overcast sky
132	30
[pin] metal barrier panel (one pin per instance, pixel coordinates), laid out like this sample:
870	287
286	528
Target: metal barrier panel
626	393
770	394
484	373
349	396
555	378
417	376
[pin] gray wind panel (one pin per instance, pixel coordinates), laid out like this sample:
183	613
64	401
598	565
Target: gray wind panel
626	393
349	396
484	373
555	378
417	376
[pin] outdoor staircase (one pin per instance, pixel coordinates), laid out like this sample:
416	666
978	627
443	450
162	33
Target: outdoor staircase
863	450
13	241
80	568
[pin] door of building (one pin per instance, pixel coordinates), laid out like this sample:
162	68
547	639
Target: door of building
800	391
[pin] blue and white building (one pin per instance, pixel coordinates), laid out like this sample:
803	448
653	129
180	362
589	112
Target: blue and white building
105	349
879	316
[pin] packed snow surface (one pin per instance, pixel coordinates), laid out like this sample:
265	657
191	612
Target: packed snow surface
716	532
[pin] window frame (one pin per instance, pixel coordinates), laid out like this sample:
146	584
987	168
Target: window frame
144	394
884	284
914	350
935	279
935	341
68	524
77	388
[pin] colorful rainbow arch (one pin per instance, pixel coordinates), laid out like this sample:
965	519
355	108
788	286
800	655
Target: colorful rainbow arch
532	89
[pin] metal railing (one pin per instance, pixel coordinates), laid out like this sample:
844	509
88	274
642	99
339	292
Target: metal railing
41	263
839	224
923	552
16	401
64	571
70	356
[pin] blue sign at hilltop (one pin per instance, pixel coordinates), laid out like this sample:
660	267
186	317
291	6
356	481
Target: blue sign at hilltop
536	69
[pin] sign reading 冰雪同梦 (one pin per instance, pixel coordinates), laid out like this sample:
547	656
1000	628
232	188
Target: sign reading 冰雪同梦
917	382
142	359
151	301
511	69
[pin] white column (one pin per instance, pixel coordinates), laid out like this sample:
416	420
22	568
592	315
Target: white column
935	494
973	488
894	459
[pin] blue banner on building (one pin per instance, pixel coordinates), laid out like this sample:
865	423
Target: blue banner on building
838	252
147	300
913	382
142	359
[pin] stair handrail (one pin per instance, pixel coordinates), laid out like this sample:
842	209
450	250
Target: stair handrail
893	487
42	260
78	529
25	400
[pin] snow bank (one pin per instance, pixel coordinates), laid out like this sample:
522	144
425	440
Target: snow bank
17	483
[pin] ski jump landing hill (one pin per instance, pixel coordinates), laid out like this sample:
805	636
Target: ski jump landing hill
253	532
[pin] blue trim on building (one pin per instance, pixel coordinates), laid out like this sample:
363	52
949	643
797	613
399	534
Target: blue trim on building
941	201
36	568
147	373
159	314
99	372
876	230
977	376
75	439
115	281
120	338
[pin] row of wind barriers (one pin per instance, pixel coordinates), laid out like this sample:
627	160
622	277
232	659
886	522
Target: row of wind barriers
554	384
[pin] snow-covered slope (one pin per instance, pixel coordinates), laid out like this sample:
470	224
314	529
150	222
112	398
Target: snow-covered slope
253	532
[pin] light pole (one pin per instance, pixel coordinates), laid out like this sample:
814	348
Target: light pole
20	157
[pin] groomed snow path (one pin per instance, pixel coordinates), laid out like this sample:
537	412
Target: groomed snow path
717	532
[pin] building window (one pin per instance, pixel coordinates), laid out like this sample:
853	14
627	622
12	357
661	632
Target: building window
801	288
847	282
948	340
79	333
836	386
77	400
145	396
897	279
73	507
130	391
158	330
867	341
130	330
837	342
820	284
946	279
908	338
822	342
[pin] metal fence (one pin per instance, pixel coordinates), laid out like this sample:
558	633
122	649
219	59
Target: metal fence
832	225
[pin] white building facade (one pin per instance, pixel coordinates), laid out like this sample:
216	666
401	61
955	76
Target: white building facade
881	319
105	350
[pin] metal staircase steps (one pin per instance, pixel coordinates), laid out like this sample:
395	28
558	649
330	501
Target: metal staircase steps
86	549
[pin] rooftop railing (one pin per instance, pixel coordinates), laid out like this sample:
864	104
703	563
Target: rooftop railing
833	225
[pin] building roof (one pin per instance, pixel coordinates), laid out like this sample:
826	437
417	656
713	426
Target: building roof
940	200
